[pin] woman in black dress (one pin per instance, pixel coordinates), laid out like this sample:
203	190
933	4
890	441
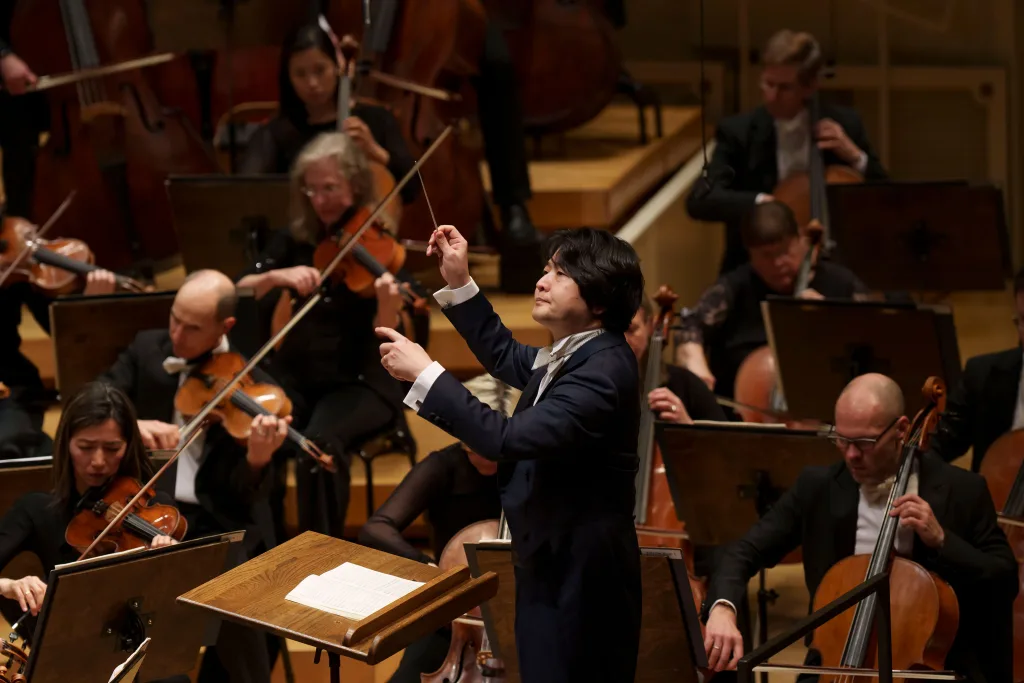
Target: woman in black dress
329	363
97	441
308	84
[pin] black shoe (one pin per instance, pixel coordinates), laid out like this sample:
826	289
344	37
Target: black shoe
522	260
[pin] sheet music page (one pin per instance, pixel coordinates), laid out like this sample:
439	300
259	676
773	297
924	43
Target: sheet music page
132	659
351	591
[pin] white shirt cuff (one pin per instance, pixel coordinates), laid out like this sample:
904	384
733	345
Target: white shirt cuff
421	387
723	602
862	164
448	297
761	198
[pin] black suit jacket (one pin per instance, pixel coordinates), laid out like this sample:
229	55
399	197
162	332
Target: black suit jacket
745	164
226	487
820	514
980	409
572	457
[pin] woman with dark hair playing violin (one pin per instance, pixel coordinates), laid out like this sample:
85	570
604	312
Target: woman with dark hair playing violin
328	363
97	442
308	84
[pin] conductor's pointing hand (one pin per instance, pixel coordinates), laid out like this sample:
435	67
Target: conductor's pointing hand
452	251
405	360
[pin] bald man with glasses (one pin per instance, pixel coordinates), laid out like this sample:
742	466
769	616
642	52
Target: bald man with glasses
948	525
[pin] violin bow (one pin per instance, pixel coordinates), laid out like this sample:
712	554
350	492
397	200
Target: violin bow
193	428
39	233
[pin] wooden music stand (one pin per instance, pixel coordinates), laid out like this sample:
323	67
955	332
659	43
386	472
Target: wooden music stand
97	610
254	593
90	332
671	646
820	346
18	477
921	236
221	220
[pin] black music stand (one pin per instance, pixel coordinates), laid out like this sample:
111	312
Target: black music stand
921	236
222	221
18	477
724	476
671	645
90	332
820	346
97	610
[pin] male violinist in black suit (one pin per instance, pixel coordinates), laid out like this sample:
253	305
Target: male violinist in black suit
947	524
567	456
219	484
757	149
987	401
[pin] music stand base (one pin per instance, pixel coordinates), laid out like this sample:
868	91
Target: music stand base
333	662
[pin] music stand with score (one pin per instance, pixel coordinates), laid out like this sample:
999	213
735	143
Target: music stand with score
921	236
89	332
221	220
819	346
99	609
254	594
671	645
724	476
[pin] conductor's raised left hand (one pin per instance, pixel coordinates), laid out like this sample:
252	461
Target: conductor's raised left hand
404	359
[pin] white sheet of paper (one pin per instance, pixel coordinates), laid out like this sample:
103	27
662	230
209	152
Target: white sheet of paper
131	659
351	591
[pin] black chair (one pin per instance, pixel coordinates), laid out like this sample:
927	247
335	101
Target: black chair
388	441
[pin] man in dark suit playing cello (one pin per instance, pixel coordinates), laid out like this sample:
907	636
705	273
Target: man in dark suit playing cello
566	458
987	401
755	150
947	525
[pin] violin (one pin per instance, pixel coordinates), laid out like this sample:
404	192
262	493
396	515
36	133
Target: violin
469	659
13	670
54	267
1001	469
924	608
140	526
248	400
757	380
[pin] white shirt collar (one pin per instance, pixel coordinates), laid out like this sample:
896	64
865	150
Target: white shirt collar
564	347
793	125
174	365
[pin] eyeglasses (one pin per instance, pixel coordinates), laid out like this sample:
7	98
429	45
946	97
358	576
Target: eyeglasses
862	444
329	189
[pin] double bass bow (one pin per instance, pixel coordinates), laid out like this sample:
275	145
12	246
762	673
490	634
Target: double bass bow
194	427
924	608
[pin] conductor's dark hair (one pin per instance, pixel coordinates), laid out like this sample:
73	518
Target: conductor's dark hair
605	268
308	37
1018	282
768	223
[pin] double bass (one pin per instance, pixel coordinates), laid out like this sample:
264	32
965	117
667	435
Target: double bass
1003	470
757	381
110	138
924	609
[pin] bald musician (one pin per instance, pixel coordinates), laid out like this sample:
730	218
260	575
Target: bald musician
217	483
947	524
756	150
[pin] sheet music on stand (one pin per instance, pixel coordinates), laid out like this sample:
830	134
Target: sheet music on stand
129	670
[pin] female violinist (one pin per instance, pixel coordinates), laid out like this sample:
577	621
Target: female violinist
454	487
97	441
309	76
328	363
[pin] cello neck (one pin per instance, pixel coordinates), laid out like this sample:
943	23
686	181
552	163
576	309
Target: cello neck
344	97
816	172
645	444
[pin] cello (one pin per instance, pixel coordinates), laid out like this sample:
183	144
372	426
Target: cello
924	609
112	124
1004	474
757	383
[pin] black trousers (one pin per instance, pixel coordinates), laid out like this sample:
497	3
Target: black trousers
501	121
578	607
334	418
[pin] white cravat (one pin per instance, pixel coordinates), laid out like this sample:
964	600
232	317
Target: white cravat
1018	414
556	355
192	457
793	140
871	514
